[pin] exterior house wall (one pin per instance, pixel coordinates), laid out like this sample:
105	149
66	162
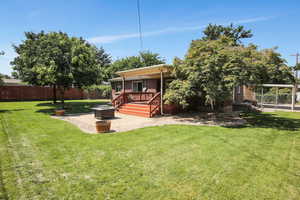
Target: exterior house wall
244	93
150	84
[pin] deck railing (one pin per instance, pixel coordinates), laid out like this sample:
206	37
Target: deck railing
129	97
154	104
138	96
119	100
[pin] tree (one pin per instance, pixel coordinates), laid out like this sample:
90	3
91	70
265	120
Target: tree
1	79
104	61
144	59
1	76
212	68
56	59
214	32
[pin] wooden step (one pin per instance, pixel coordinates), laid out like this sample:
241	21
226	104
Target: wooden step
135	112
134	107
142	110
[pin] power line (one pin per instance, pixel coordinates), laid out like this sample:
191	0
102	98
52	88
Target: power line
140	26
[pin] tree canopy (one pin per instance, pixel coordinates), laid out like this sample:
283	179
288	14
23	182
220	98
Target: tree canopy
1	79
213	67
145	58
57	59
214	32
104	61
1	75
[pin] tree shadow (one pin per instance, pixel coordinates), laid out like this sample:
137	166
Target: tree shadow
270	120
12	110
70	107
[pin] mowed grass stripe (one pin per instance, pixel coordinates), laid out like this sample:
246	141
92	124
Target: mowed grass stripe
258	161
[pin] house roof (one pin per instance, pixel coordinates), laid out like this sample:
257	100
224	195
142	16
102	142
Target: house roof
144	72
131	78
12	81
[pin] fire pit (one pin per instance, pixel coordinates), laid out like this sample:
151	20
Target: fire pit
104	112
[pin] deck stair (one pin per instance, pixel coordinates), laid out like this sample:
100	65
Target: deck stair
142	110
136	105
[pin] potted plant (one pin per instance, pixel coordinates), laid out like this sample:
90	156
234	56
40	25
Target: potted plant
103	126
60	112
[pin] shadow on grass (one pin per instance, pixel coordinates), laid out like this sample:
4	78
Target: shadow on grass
12	110
70	107
270	120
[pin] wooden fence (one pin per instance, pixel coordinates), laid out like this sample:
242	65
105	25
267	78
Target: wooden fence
23	93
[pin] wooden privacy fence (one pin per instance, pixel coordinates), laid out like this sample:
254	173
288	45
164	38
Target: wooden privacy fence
21	93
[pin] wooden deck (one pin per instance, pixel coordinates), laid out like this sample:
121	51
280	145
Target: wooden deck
138	106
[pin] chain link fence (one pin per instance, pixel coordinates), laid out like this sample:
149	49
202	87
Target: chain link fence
273	95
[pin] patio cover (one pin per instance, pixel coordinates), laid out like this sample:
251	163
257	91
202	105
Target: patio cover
153	71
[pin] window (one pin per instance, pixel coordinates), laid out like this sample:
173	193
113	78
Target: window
137	86
117	86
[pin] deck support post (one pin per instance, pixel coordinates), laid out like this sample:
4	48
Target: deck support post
276	98
161	92
123	89
262	97
233	94
123	84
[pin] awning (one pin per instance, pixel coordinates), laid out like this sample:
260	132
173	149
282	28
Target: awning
148	72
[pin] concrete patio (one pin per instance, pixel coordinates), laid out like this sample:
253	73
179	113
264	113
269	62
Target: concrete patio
122	122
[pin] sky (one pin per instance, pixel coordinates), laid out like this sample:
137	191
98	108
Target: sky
168	26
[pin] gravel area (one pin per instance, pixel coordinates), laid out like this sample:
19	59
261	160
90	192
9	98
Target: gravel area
122	122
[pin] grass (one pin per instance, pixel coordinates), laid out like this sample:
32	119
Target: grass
45	158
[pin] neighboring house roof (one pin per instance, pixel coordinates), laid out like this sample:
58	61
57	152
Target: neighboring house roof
144	72
12	81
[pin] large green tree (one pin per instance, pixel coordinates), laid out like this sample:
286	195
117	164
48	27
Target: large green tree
236	33
104	61
144	59
212	68
1	76
56	59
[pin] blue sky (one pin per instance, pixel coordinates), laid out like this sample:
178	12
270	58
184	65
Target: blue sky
168	25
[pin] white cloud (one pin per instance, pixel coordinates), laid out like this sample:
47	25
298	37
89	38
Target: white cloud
114	38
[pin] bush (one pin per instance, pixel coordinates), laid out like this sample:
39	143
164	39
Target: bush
98	91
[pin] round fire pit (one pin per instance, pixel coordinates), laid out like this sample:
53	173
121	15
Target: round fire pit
104	112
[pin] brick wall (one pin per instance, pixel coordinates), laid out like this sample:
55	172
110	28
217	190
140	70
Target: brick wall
21	93
243	93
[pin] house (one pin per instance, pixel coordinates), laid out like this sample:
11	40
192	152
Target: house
139	91
12	82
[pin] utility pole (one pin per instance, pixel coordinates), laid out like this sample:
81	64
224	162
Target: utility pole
295	88
140	24
297	62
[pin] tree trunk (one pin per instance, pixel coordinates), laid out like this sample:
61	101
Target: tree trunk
54	94
62	97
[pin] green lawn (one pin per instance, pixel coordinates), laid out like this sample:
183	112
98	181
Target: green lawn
45	158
